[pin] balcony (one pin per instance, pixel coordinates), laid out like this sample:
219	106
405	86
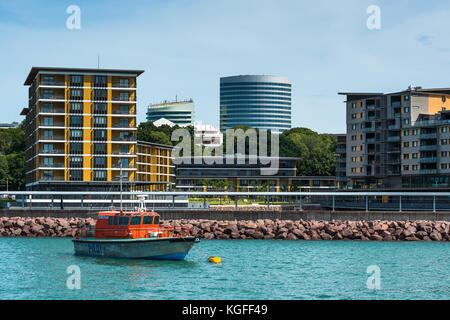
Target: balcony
428	171
123	85
393	138
54	124
428	147
52	138
53	83
428	159
52	97
121	112
428	135
52	151
52	111
122	125
123	99
52	165
370	107
124	138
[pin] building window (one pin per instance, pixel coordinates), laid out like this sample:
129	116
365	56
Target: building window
76	121
124	149
76	175
48	175
48	107
100	108
415	155
405	168
124	83
124	96
76	134
76	162
100	121
100	162
443	166
76	148
406	98
406	110
406	133
406	121
444	142
414	132
48	121
406	144
100	81
76	94
100	175
414	143
76	80
124	109
406	156
76	107
353	126
100	148
414	167
444	129
444	154
100	94
100	135
353	105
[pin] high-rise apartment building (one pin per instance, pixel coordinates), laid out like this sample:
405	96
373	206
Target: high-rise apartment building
257	101
398	140
80	128
179	112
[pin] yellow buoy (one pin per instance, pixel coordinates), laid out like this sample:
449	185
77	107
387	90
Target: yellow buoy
215	259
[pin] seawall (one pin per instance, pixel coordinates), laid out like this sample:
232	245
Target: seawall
249	214
378	230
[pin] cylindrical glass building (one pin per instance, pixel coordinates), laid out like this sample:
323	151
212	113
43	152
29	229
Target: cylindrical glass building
257	101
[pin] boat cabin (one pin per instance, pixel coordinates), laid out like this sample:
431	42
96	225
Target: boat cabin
129	225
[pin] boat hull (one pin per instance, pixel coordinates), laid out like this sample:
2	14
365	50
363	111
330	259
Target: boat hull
155	248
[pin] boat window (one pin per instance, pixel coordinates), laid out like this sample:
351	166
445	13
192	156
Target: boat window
147	220
111	220
136	220
116	220
156	221
123	221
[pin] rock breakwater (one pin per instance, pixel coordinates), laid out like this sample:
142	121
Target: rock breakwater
248	229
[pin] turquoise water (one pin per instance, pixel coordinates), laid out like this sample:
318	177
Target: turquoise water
36	269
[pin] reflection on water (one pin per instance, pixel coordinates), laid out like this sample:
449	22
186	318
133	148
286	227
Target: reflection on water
37	269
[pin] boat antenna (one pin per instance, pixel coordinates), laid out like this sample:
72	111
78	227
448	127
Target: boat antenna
121	208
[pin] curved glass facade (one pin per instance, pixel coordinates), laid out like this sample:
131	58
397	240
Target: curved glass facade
262	102
180	113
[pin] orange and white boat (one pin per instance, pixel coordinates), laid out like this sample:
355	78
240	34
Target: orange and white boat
134	235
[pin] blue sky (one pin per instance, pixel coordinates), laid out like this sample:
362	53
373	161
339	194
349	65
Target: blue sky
185	46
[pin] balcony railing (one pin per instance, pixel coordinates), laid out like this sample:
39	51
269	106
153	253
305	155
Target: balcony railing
393	138
52	151
52	138
122	85
53	83
121	112
371	107
122	99
340	150
52	165
369	129
121	125
52	111
54	124
396	103
52	96
428	171
123	138
428	147
428	135
428	159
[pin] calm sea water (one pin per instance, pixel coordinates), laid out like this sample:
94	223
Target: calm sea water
37	269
